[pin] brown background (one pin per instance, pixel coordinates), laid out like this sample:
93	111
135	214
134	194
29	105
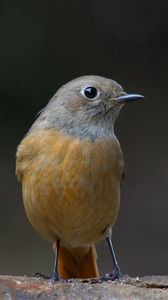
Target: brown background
44	44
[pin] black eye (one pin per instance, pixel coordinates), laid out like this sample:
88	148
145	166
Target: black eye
90	92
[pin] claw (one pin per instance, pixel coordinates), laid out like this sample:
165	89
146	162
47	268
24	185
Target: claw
53	278
40	275
114	275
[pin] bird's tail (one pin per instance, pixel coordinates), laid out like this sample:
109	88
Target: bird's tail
78	262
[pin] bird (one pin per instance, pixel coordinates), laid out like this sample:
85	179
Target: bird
71	166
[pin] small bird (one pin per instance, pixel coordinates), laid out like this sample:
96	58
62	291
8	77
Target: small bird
71	166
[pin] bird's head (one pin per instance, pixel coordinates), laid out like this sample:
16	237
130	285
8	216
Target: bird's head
86	106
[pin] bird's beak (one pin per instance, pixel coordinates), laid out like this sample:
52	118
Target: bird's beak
128	98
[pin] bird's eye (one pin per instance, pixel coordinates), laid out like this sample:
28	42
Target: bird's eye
90	92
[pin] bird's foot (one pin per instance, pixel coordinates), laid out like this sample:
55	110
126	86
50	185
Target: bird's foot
40	275
112	276
53	278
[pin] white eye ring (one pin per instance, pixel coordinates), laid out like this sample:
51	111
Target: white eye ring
90	92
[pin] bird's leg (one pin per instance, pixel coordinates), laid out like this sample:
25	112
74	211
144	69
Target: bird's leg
116	273
55	276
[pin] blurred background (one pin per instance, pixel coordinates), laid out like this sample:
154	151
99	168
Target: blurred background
44	44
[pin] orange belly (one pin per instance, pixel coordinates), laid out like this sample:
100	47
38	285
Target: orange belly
71	187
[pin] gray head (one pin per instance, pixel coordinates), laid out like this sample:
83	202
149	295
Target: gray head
86	107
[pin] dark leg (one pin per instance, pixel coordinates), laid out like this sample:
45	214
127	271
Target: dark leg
116	273
55	276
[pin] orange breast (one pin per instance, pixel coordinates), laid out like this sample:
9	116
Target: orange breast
71	187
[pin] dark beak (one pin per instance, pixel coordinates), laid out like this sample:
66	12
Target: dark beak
129	97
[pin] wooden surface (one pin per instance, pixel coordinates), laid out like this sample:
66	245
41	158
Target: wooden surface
26	288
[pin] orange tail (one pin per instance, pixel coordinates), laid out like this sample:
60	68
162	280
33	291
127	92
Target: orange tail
78	262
